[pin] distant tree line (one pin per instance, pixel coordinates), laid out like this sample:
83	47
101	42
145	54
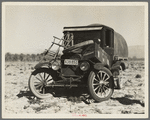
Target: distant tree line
25	57
38	57
135	58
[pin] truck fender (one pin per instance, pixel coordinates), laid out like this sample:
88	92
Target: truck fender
115	67
123	65
98	66
120	65
42	65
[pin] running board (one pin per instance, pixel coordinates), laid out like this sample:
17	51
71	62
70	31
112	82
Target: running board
65	85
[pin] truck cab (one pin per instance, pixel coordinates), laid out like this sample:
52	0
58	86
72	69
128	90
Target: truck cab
97	43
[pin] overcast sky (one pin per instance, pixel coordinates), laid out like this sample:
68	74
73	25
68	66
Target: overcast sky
30	28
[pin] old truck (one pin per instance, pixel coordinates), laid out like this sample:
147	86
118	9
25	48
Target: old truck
92	57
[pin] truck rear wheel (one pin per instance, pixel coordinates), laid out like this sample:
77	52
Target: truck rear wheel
101	84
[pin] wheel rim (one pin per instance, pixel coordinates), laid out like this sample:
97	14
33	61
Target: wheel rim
101	84
40	82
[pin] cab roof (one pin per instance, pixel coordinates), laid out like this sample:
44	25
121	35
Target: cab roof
86	28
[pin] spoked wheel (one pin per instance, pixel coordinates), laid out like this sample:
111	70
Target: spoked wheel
101	85
38	82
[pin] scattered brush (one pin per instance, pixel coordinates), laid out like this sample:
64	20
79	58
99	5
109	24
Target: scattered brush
98	110
7	66
138	76
45	106
35	101
75	99
126	112
32	68
9	74
42	107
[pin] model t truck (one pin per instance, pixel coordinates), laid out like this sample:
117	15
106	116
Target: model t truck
92	57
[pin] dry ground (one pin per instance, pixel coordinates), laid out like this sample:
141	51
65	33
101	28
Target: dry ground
18	100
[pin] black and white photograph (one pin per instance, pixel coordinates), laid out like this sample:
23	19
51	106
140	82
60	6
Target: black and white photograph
75	60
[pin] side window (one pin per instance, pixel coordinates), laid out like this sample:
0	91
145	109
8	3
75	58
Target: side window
108	38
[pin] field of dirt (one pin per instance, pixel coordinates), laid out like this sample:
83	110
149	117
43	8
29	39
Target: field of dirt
19	100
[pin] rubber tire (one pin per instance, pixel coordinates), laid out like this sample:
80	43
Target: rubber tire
117	82
120	85
32	89
92	93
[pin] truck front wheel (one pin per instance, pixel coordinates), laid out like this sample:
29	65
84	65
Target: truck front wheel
101	84
39	81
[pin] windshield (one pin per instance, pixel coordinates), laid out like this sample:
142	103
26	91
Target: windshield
76	37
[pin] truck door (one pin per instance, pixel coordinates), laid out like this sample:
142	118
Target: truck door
108	42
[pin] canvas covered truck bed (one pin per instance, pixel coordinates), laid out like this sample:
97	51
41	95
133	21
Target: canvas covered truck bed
120	46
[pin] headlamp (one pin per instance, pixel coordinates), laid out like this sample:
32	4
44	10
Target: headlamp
84	66
55	65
